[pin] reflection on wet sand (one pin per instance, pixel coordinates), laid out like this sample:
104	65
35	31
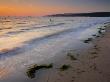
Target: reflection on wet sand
38	41
3	73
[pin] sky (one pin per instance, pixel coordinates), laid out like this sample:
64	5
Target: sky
47	7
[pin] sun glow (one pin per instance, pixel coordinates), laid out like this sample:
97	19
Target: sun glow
20	10
30	10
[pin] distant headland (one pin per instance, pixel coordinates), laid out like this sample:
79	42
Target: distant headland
92	14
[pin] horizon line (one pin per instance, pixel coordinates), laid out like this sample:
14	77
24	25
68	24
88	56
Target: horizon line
52	14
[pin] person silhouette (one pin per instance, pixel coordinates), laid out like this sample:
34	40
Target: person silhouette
50	20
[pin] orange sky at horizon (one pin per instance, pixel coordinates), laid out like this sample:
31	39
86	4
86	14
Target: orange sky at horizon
48	7
15	10
20	10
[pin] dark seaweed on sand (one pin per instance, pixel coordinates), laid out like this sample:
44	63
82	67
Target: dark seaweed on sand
64	67
72	57
32	70
88	40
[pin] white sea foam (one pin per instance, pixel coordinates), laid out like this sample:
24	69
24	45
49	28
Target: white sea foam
24	41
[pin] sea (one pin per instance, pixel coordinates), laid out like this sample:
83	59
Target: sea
28	40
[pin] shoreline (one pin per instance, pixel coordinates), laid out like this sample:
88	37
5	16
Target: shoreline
68	61
89	66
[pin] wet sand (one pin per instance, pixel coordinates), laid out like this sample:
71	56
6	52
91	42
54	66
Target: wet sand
82	59
87	65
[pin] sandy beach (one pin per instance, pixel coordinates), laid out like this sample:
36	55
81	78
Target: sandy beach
67	50
54	40
87	65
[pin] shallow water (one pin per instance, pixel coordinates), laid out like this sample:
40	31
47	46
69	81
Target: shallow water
28	40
